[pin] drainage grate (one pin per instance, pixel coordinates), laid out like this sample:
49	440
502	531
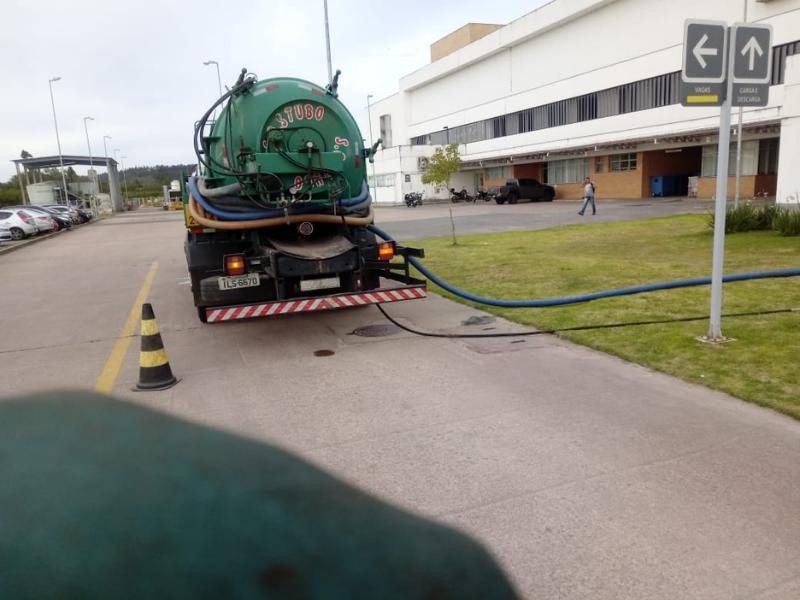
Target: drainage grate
324	352
381	330
479	320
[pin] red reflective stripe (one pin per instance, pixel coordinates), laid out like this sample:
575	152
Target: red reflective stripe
286	308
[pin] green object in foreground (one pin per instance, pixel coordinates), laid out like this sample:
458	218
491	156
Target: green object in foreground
104	499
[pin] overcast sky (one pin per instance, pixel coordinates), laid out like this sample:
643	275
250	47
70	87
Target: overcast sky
137	67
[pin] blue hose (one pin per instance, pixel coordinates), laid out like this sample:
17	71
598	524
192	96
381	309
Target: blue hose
639	289
363	200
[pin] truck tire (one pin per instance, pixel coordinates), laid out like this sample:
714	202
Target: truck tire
513	198
201	314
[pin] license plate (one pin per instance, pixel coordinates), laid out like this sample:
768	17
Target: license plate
308	285
242	281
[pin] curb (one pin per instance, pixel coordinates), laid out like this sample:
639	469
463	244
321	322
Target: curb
28	242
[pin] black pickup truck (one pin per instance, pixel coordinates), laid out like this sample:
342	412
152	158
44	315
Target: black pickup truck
524	189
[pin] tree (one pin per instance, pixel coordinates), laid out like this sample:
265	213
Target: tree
441	167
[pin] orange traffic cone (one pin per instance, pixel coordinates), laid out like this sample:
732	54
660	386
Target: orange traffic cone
154	370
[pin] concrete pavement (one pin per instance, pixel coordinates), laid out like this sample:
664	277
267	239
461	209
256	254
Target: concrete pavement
587	476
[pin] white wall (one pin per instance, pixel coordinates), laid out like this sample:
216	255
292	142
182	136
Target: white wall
789	153
564	49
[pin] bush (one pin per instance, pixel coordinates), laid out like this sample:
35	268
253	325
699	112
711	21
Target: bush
787	221
747	217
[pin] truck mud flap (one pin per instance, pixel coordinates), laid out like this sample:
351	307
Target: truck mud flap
217	314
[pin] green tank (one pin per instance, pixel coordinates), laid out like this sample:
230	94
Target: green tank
282	143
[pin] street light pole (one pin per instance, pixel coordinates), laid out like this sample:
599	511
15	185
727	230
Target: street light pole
219	80
369	118
328	42
58	141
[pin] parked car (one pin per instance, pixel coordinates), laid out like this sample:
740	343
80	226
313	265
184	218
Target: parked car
62	220
18	222
44	223
71	212
524	189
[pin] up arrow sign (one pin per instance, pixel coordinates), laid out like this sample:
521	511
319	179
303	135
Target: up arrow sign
700	51
752	47
752	53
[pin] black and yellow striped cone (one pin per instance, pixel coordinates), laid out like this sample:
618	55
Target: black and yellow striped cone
154	370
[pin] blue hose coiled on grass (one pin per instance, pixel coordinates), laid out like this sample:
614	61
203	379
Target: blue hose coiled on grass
639	289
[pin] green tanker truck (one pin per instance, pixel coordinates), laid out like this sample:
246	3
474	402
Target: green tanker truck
279	214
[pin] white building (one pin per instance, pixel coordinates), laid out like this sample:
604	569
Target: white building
588	87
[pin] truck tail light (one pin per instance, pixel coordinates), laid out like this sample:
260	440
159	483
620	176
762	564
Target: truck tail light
386	251
234	264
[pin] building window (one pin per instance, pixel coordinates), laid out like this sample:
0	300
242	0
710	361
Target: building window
384	180
567	171
499	173
768	157
599	164
386	130
623	162
750	156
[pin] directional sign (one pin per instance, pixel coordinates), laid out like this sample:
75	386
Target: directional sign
705	53
705	45
752	53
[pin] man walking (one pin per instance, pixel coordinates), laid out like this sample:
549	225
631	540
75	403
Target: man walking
588	196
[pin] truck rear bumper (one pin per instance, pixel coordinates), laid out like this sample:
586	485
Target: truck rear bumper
218	314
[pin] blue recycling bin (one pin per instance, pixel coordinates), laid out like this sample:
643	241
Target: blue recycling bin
657	185
669	185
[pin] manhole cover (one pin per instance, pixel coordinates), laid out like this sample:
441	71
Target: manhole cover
324	352
376	330
479	320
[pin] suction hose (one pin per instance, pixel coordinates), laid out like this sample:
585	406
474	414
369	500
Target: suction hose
360	202
200	216
666	285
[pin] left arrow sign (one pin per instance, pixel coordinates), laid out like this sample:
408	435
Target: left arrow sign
700	51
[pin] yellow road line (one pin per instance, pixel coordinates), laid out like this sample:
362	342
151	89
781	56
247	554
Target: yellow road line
105	383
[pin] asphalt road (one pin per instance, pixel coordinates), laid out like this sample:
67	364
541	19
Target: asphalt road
432	220
587	477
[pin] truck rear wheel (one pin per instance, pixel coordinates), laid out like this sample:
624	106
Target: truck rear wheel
201	314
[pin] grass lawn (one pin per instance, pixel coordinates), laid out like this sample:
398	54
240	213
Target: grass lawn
761	365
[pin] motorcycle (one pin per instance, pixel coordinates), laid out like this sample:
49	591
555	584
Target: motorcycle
461	196
484	195
413	199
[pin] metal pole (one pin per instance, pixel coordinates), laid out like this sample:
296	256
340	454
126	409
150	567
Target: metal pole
369	117
105	155
219	79
124	178
328	42
58	141
93	176
723	153
19	181
739	141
